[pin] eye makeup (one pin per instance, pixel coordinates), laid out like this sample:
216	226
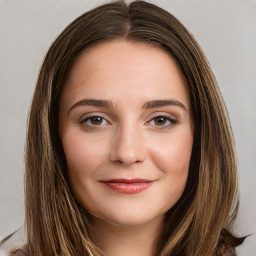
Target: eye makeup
158	121
163	121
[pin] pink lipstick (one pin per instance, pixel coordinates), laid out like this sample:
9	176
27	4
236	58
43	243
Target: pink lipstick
126	186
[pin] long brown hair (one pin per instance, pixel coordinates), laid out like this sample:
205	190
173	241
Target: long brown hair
199	224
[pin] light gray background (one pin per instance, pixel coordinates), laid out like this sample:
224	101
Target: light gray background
225	29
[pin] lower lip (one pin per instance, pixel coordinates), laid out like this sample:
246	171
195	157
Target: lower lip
128	188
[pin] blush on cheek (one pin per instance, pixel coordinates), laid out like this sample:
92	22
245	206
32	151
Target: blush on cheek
174	156
82	151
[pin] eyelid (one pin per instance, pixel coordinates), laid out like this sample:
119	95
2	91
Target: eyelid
173	120
165	114
92	114
169	116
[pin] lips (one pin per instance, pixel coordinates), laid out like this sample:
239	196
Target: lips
128	186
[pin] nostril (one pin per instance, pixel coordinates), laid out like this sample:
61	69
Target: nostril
124	162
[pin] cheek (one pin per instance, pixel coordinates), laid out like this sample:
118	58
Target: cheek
172	155
84	155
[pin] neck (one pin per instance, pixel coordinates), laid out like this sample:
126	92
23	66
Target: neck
115	240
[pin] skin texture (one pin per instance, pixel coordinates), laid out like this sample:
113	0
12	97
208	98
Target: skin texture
129	141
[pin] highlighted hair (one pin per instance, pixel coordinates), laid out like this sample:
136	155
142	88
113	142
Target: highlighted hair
199	224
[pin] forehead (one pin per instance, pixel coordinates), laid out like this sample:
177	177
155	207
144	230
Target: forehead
125	70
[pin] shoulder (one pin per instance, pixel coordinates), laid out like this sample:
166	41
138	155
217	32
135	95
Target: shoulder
229	252
19	252
12	244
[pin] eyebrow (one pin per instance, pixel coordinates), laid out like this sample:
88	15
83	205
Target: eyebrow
147	105
163	103
93	102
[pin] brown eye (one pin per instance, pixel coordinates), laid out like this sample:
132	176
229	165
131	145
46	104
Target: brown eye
94	120
163	122
160	120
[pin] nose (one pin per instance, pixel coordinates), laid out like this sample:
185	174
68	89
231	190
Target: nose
128	147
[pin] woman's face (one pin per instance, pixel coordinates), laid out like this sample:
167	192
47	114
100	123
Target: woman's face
126	130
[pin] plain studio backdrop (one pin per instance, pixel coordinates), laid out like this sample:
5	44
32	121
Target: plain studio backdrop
225	29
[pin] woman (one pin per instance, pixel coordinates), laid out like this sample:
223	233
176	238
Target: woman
129	147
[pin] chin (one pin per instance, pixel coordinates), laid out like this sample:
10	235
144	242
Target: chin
128	219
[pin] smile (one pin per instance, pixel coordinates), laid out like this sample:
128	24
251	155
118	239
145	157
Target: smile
124	186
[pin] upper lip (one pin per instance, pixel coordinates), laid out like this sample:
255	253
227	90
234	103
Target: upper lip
121	180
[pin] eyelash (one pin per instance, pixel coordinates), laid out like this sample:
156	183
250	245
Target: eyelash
169	119
84	120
